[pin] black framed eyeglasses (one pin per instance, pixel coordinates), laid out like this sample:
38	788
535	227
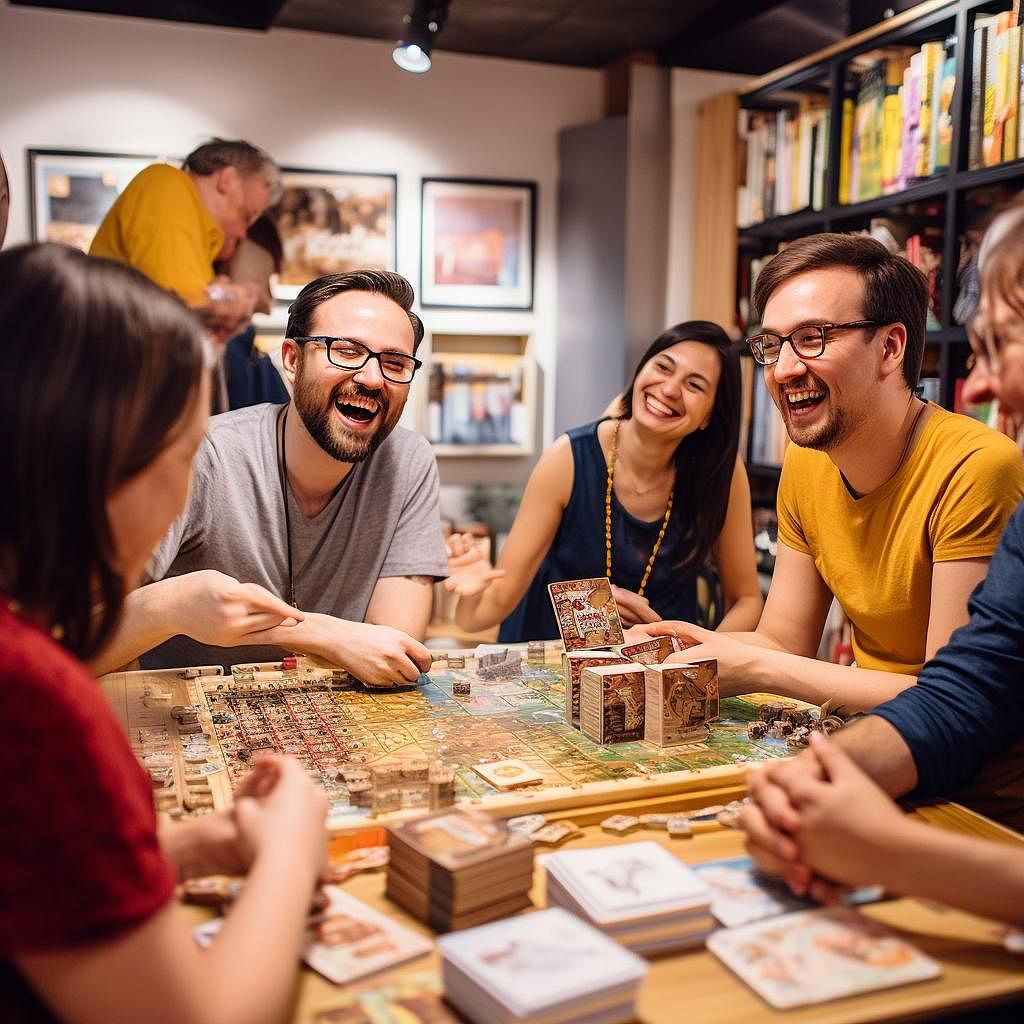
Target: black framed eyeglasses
348	354
808	342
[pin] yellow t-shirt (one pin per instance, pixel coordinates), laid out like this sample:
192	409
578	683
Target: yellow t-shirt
950	500
160	226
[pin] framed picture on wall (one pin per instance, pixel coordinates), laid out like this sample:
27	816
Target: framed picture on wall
477	243
333	221
71	191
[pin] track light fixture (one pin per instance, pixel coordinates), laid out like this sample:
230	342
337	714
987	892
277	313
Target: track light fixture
412	53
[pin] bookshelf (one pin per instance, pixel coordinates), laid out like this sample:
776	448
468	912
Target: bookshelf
909	130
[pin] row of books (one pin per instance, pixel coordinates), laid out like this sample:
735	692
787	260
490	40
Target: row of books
996	130
897	125
783	160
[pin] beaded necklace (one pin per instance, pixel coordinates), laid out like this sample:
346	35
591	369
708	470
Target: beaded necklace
608	518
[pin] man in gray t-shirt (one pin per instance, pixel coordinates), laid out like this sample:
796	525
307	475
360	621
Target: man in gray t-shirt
314	526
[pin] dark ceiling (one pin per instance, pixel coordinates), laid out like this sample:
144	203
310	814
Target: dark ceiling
745	36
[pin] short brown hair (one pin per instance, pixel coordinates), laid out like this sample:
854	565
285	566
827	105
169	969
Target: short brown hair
247	159
97	366
377	282
895	291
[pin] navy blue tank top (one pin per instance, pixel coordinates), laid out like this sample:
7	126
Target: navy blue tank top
578	551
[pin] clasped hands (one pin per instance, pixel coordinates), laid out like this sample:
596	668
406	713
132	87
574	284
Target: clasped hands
819	823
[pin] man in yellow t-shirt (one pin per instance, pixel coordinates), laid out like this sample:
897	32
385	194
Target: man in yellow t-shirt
173	224
890	504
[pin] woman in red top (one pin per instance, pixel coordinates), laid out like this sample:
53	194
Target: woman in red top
103	399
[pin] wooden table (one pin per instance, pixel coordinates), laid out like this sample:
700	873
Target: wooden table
694	985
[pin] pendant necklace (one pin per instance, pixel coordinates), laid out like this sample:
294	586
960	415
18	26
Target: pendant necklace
608	518
282	473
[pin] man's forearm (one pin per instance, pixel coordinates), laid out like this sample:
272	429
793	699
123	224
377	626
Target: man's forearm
880	751
147	620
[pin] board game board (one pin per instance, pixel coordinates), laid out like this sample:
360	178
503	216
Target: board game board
211	725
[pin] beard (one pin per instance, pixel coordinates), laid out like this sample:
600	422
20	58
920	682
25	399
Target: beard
323	426
821	437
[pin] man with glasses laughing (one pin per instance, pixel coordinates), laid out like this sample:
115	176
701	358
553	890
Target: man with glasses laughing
312	527
889	504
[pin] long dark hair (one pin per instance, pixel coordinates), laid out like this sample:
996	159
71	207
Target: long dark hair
706	458
97	365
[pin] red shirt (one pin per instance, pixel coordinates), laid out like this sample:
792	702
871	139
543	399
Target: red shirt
79	857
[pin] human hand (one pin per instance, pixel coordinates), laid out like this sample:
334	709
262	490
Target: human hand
375	655
209	845
633	608
470	572
679	631
229	307
849	830
771	820
280	804
214	608
737	660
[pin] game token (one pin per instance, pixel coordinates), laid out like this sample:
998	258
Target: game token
678	826
366	858
289	664
461	688
620	823
535	652
658	821
509	774
456	661
555	832
526	823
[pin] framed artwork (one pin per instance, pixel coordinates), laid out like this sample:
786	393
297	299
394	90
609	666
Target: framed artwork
477	243
71	191
333	221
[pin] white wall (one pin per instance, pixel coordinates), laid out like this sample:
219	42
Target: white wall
689	89
70	81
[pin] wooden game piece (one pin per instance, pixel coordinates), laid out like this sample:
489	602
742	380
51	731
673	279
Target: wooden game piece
680	701
508	774
441	778
364	858
705	813
573	663
612	702
620	824
535	652
462	688
757	730
526	823
655	821
456	661
586	613
555	832
289	664
503	664
678	826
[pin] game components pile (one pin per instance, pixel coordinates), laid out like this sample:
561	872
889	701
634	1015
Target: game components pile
457	869
549	966
627	693
393	783
795	724
637	893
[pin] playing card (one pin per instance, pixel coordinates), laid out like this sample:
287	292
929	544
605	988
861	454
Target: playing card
812	956
586	613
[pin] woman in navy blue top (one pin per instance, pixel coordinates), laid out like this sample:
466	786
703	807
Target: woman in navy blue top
646	498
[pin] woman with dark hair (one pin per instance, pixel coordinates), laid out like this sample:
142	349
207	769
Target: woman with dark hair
646	499
103	402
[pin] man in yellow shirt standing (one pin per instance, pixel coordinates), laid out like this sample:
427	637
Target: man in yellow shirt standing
888	503
173	224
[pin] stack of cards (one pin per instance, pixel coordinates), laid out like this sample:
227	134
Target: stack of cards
637	893
457	869
612	702
586	613
547	966
812	956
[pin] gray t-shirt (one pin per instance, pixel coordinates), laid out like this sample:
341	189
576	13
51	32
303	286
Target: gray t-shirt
383	521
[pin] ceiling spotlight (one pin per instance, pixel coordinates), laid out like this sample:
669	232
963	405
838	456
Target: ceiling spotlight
412	53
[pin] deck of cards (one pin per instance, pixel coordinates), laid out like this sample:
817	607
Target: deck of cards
812	956
459	868
637	893
549	966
